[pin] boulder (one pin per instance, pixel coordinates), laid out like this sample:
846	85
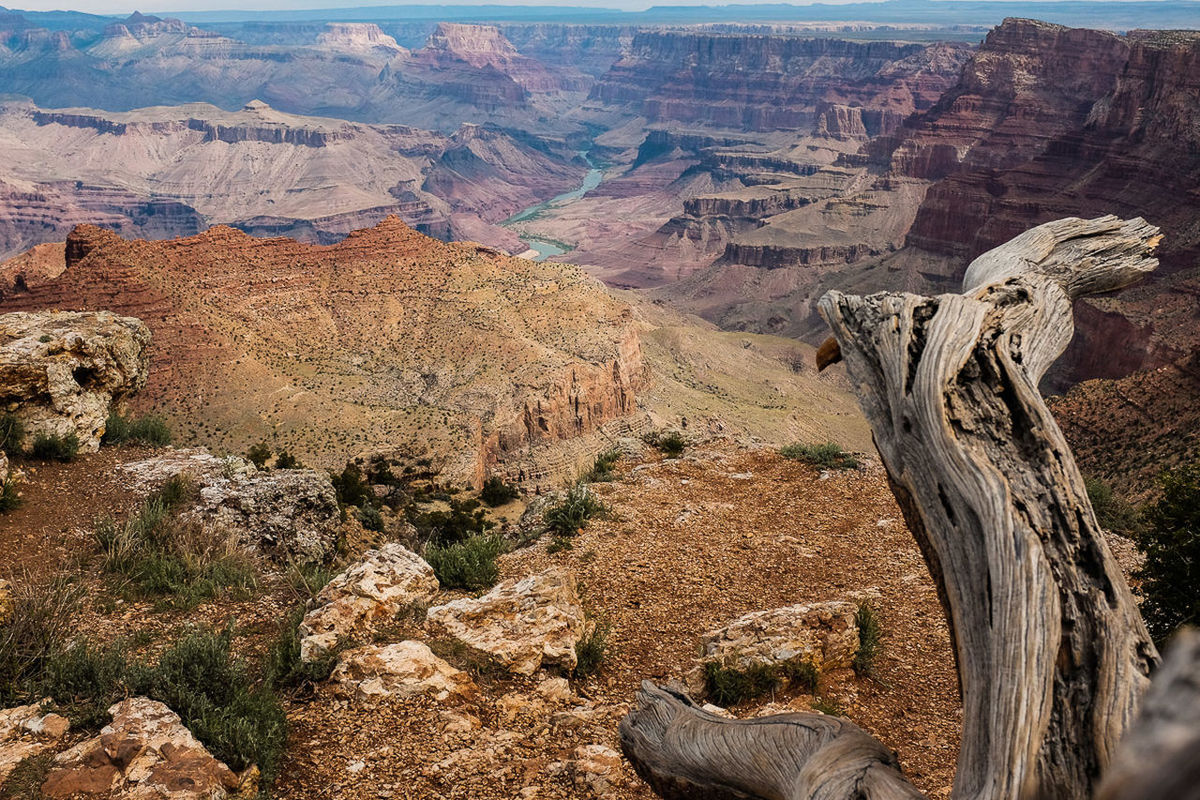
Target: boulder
144	753
377	588
60	372
399	670
597	770
289	514
522	624
823	634
26	732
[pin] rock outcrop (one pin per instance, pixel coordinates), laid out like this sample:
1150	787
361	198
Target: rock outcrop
386	341
289	514
26	732
522	624
145	752
61	372
822	634
371	591
404	669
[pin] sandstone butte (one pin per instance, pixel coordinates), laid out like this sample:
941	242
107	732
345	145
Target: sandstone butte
464	355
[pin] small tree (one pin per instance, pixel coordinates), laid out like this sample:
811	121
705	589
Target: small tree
259	454
1171	545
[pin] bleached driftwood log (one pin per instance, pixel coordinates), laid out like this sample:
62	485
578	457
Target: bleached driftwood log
1052	654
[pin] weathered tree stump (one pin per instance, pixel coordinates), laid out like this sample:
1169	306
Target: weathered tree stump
1052	654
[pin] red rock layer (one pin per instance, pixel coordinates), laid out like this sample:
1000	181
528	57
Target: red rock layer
388	341
760	83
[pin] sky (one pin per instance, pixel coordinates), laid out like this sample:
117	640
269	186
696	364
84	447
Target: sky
154	6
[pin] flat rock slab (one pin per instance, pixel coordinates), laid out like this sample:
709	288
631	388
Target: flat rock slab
401	670
522	624
377	588
144	753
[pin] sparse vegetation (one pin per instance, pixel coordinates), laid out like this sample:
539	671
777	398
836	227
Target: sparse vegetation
370	518
52	447
469	564
496	492
284	669
826	456
38	624
602	469
1113	512
1171	546
569	515
728	685
10	493
12	434
151	429
463	520
591	650
161	555
308	578
870	632
259	454
669	443
285	460
827	705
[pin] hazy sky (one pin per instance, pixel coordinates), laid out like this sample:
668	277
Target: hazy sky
152	6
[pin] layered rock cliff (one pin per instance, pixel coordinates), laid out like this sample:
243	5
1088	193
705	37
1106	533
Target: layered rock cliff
388	341
758	82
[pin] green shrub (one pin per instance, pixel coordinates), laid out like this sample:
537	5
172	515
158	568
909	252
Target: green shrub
870	631
827	705
469	564
51	447
212	692
730	685
10	492
351	486
12	435
285	670
40	620
570	514
285	460
825	456
464	519
151	429
259	454
86	679
308	578
496	492
161	555
670	443
1171	546
602	469
591	650
370	518
1113	512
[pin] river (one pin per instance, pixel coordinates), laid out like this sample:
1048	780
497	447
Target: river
549	247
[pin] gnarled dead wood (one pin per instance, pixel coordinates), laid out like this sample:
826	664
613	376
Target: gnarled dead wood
1052	653
1160	756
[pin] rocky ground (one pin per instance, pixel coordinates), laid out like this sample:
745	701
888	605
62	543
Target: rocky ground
689	545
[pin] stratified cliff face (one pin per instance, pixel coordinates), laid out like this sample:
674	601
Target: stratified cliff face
759	83
386	341
167	172
1050	122
582	49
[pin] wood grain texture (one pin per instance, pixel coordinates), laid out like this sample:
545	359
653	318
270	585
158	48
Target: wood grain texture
1053	656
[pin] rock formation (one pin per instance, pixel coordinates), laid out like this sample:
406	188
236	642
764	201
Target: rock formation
389	340
61	372
144	752
373	590
25	731
399	670
822	634
522	624
289	514
272	170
